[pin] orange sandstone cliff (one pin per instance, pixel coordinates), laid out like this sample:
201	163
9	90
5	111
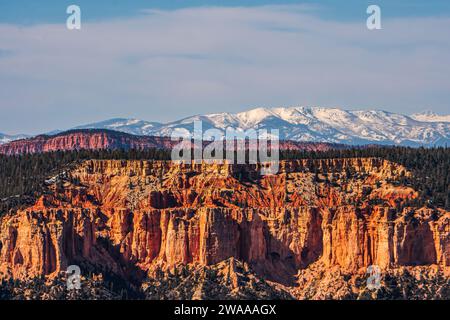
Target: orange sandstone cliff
131	218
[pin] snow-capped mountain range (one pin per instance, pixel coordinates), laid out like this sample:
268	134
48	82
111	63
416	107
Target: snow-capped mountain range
308	124
316	124
4	138
429	116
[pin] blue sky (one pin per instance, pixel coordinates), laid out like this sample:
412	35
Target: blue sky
28	11
164	60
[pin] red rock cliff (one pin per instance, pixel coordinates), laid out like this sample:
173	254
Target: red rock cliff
84	139
135	215
94	139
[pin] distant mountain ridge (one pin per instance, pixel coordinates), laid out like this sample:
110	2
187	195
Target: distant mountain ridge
312	124
96	139
5	138
315	124
92	139
429	116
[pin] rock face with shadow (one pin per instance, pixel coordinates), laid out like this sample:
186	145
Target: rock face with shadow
97	139
136	219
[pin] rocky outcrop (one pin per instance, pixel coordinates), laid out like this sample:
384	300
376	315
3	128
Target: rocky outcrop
95	139
41	243
133	217
91	139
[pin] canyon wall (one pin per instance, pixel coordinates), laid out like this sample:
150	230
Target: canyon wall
130	217
83	139
95	139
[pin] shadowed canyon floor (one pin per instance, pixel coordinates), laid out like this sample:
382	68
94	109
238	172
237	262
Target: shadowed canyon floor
199	231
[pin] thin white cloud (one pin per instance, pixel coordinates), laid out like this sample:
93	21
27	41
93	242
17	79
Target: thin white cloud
167	64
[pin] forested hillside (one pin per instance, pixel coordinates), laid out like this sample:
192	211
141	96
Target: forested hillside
430	167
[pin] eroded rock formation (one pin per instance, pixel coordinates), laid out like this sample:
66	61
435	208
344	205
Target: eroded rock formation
84	139
96	139
134	217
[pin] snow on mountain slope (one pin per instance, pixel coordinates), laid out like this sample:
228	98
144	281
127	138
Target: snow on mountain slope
4	138
315	124
131	126
429	116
